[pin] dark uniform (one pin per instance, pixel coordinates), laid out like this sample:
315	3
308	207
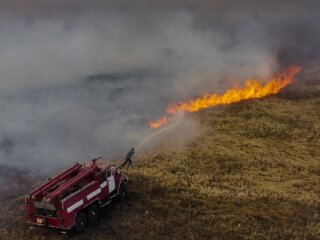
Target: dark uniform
128	157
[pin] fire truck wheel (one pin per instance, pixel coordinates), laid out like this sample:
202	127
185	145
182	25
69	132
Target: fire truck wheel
81	222
123	192
93	214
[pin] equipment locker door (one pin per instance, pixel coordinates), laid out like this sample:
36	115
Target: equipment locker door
111	181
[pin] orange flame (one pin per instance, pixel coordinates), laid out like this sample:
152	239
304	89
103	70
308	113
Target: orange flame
253	89
158	123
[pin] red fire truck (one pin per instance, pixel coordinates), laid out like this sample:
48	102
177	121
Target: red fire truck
74	198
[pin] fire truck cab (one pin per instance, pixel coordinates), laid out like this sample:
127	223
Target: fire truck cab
73	198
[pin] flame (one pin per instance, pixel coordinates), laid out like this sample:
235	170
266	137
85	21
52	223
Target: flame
161	121
252	89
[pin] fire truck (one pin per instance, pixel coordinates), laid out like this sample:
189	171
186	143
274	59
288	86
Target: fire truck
74	198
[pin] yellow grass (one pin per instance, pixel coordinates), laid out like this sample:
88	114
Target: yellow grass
254	173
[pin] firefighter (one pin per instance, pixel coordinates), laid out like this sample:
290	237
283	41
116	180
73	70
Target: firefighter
128	157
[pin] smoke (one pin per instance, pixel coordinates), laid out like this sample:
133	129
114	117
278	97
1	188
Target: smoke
81	79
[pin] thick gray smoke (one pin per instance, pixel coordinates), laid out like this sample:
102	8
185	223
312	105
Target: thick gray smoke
80	79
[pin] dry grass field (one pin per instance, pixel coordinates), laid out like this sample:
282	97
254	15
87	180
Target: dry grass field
254	173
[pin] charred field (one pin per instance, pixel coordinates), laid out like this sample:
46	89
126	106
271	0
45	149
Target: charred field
254	173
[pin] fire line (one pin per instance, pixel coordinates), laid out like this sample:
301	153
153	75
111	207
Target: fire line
254	88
